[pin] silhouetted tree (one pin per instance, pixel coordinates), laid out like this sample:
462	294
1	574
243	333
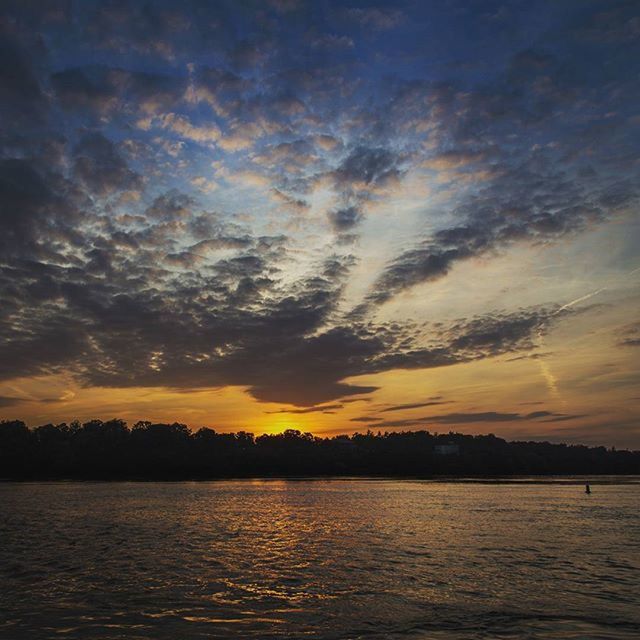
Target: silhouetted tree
110	449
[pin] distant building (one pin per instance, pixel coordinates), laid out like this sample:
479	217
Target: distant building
449	449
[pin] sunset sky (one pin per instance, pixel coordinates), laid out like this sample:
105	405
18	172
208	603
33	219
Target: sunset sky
333	216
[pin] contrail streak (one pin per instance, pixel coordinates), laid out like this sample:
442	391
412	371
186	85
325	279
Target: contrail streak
550	380
580	299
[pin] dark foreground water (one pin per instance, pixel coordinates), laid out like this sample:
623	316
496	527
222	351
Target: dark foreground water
319	559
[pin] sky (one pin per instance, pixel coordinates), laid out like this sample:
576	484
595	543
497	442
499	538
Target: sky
331	216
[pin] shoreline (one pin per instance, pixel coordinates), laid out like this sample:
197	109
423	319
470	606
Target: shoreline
539	479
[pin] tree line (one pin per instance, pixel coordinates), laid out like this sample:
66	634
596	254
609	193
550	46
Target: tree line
112	450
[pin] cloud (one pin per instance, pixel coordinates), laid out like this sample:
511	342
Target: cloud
344	219
23	96
38	208
226	92
9	401
85	89
630	336
485	416
318	409
100	168
101	90
453	159
326	142
172	205
414	405
63	397
297	205
232	323
423	264
25	198
144	29
374	17
564	418
181	126
490	417
55	344
367	166
497	333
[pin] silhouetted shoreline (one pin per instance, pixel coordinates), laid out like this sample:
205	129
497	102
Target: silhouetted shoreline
111	450
541	479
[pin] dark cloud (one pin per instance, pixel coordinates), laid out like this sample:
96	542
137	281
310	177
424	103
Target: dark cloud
52	399
564	418
9	401
172	205
222	242
23	98
100	168
485	416
231	323
498	333
630	336
490	417
324	408
412	267
414	405
315	363
99	90
306	368
25	198
84	88
38	208
42	347
150	92
362	170
127	28
344	219
297	205
530	356
366	165
539	414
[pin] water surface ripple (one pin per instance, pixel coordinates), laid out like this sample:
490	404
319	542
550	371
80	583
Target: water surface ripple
334	559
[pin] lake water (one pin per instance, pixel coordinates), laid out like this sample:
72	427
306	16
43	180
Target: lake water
319	559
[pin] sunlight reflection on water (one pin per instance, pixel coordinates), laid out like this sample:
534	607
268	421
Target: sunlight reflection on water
319	559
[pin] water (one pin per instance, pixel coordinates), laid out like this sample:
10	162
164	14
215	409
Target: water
319	559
